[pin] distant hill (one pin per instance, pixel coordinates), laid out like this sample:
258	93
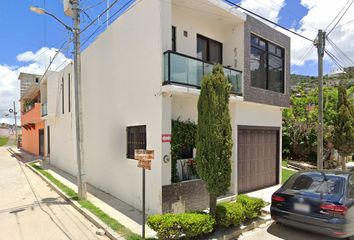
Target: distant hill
295	79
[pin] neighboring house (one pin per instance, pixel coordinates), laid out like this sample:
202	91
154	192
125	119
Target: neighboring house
31	122
332	83
335	72
145	70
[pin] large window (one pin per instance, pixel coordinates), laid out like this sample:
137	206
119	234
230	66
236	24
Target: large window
136	139
267	65
209	50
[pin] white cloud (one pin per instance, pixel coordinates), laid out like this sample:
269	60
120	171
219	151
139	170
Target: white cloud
9	83
266	8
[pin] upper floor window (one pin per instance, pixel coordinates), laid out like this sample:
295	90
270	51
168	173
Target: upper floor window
173	47
267	65
209	50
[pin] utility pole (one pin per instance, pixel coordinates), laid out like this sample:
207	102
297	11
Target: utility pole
15	124
320	52
81	178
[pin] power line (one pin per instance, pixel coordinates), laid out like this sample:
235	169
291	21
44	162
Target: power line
20	41
106	21
270	21
337	49
337	15
340	18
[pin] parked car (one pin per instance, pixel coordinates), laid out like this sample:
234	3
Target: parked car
320	201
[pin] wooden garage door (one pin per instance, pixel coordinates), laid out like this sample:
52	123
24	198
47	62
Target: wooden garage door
257	158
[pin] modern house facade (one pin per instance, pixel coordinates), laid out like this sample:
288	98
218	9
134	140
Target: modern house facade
145	70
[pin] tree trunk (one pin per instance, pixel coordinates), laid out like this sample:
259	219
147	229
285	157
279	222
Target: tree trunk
344	161
212	204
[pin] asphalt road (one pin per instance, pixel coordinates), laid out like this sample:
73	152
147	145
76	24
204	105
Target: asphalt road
29	209
275	232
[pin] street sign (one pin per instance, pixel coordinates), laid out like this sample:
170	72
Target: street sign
144	154
145	164
166	137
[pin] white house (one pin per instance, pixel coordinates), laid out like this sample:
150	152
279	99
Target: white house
145	70
335	72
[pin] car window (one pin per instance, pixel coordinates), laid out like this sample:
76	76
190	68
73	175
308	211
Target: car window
313	182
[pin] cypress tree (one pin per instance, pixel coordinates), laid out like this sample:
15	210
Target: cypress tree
214	140
343	134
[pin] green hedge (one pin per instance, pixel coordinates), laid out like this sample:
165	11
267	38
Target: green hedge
251	206
229	214
171	226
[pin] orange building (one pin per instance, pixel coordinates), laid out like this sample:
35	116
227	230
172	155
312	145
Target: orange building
31	122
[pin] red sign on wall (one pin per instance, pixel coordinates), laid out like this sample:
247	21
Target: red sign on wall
166	138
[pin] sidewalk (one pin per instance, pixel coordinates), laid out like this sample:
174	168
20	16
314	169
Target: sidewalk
125	214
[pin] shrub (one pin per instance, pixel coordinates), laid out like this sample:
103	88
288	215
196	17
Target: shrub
172	226
229	214
250	205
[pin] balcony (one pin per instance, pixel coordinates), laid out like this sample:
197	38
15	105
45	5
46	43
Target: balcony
187	71
31	116
44	109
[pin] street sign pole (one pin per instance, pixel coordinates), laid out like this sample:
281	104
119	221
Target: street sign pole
144	158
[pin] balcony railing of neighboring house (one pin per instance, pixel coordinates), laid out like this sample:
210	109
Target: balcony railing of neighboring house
187	71
44	109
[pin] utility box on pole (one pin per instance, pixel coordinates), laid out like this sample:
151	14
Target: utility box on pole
68	8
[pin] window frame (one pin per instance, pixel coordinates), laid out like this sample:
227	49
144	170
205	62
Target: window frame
209	40
173	39
69	93
139	141
268	53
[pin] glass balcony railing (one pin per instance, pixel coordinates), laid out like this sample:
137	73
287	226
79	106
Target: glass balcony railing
187	71
44	109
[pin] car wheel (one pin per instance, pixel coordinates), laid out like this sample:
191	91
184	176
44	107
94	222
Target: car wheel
351	238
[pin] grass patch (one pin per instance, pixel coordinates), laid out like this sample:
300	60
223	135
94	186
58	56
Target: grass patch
3	141
112	223
286	174
284	163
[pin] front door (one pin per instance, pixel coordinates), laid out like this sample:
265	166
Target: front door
41	142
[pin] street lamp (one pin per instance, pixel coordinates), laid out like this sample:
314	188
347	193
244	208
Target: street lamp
81	179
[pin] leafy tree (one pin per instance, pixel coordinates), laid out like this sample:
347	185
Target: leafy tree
343	135
214	140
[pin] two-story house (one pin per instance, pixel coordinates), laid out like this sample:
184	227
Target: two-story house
31	112
145	70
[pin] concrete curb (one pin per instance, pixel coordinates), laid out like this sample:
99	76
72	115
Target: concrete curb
86	213
239	230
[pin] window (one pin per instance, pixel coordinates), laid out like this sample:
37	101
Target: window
37	79
69	93
209	50
267	65
173	47
136	139
62	94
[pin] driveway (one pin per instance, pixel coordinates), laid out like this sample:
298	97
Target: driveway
29	209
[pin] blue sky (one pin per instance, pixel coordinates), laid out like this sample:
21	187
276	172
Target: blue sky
28	40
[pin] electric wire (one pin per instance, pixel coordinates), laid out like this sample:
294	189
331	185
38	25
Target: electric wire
336	47
265	19
340	18
337	15
107	20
